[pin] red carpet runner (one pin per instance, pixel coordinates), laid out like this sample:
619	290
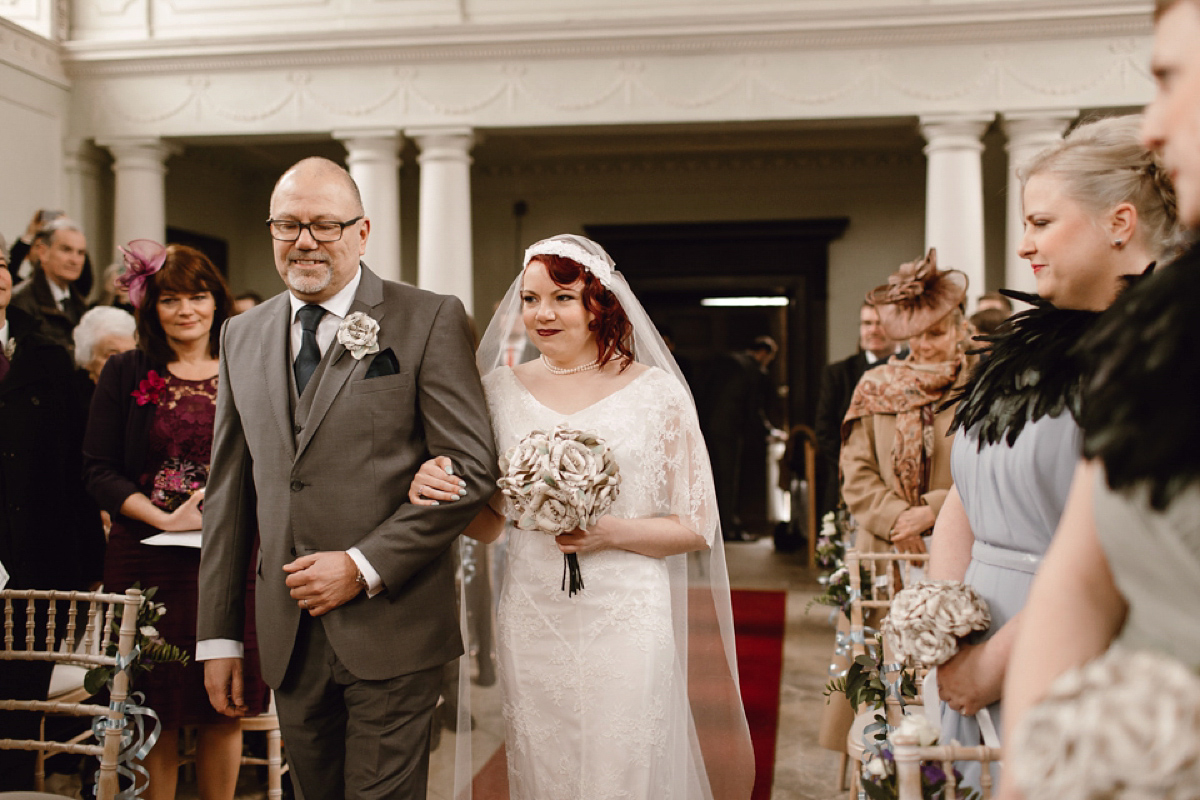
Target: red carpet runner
759	618
758	623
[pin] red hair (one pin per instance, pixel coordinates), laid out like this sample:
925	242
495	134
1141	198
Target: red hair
614	333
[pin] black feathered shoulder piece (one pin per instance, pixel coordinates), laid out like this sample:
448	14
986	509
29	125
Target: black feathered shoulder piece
1030	371
1142	418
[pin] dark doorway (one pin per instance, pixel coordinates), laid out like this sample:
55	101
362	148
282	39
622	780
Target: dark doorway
673	267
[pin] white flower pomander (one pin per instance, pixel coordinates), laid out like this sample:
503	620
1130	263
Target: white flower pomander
359	334
877	768
918	725
1124	727
559	481
927	619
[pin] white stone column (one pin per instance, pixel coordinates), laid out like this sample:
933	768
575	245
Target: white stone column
139	206
1028	134
82	163
954	193
444	261
373	160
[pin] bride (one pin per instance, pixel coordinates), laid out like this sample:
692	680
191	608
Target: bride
629	687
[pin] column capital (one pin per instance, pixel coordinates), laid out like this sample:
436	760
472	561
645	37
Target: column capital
443	143
385	141
140	152
955	131
1036	127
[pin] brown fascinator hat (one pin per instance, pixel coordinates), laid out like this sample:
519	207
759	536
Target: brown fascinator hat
917	295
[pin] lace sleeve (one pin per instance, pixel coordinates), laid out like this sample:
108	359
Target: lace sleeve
690	492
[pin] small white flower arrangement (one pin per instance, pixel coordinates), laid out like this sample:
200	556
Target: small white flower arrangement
359	333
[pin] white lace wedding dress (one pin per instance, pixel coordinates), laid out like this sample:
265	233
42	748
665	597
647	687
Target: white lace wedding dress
595	685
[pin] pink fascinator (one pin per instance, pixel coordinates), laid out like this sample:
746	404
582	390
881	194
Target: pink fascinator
917	296
143	258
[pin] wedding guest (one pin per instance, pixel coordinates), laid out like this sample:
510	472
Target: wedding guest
994	301
49	296
110	292
1124	566
636	721
102	333
1097	210
50	534
146	457
895	457
838	380
246	301
892	481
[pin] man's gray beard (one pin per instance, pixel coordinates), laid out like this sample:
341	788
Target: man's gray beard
307	285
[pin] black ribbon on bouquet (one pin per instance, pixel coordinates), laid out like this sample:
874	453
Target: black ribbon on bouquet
571	569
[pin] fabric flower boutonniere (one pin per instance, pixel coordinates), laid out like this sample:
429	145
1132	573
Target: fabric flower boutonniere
359	334
150	389
10	348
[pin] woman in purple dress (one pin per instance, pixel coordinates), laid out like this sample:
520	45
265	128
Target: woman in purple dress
146	456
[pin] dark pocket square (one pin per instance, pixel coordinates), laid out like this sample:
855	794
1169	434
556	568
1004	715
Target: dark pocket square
384	363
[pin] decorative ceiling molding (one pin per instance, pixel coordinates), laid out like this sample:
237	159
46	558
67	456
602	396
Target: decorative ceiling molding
33	54
388	43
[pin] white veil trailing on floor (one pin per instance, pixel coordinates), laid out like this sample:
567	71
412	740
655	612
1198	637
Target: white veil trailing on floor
721	760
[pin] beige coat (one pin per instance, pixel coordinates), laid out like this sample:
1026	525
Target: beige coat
869	484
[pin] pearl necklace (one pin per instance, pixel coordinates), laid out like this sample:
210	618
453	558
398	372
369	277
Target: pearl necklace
569	370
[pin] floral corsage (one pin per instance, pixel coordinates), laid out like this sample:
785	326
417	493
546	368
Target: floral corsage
150	389
359	334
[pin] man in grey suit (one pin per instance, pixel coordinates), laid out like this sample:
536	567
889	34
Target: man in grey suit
317	436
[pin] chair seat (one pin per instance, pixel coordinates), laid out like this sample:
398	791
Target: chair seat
67	679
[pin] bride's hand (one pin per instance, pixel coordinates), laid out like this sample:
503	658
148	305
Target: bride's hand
436	483
598	537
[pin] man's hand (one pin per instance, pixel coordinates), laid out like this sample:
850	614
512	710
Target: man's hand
223	681
320	582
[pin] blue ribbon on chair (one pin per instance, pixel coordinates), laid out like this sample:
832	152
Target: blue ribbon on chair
137	737
843	646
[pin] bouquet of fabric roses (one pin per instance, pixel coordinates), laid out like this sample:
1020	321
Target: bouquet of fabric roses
558	482
1124	727
924	626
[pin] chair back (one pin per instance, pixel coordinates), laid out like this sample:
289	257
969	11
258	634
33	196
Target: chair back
875	578
73	628
910	756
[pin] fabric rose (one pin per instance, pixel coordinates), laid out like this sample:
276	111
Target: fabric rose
1124	727
359	334
558	482
927	620
918	725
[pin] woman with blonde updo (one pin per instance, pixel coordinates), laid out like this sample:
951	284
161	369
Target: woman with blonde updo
1098	209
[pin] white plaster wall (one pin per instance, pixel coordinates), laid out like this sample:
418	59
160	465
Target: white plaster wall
33	106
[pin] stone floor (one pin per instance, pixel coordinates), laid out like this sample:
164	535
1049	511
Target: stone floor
803	771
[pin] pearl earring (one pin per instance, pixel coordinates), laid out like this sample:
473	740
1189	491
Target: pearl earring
1118	242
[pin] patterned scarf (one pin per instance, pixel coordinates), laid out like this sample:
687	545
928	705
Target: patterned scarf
912	393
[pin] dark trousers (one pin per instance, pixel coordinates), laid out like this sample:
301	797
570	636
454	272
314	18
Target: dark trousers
351	738
21	681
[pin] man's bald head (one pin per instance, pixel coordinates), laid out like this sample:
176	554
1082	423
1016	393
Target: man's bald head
320	168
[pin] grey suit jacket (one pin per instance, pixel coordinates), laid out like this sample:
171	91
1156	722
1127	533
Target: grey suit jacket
340	480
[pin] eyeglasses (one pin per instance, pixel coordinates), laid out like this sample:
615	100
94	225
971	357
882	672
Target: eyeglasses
289	230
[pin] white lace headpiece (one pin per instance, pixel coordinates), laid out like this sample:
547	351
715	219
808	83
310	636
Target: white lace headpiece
584	252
